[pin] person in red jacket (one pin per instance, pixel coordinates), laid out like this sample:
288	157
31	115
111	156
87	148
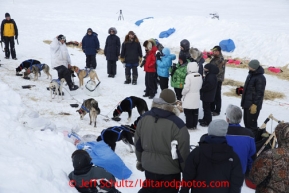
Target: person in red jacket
150	69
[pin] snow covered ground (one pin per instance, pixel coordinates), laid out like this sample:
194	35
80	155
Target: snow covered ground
32	160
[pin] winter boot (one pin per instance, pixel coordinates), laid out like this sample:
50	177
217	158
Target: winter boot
128	79
72	87
134	79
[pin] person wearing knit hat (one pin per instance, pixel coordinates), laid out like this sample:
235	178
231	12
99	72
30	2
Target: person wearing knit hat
218	127
159	135
214	160
167	96
9	30
84	172
112	51
253	94
254	65
179	72
131	57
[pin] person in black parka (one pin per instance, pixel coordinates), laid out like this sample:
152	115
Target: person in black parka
213	166
90	45
131	57
208	92
253	94
112	51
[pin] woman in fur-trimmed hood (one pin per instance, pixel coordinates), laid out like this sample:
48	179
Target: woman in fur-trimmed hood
112	51
197	56
126	39
156	130
150	69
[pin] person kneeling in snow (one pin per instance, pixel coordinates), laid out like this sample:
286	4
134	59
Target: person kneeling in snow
87	178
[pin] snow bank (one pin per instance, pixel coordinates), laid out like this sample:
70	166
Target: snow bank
30	159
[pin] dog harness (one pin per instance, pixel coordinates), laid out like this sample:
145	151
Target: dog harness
57	81
84	108
39	66
116	129
119	107
31	64
86	71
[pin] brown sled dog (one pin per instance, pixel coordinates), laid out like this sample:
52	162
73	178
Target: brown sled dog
83	73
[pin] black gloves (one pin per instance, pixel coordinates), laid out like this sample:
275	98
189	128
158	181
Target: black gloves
158	56
16	37
173	67
139	166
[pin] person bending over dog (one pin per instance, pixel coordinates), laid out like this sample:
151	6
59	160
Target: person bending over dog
60	60
88	178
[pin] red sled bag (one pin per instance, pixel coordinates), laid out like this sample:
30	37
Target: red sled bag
274	70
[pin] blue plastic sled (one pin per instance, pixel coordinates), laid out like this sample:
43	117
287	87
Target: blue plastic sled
167	33
227	45
102	155
140	21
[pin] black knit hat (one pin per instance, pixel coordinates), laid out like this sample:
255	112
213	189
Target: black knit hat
185	44
7	15
183	58
81	161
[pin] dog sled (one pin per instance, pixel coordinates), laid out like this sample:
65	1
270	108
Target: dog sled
263	141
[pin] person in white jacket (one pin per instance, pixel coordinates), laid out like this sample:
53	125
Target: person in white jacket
60	60
191	95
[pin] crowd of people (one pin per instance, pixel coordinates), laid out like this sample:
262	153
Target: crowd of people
226	153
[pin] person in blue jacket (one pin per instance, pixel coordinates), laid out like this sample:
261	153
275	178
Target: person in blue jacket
164	62
90	45
241	139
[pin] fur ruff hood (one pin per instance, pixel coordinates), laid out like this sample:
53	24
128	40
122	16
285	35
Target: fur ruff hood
161	104
126	40
196	54
148	44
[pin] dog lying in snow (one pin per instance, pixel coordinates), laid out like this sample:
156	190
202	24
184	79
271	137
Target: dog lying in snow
112	135
89	106
83	73
37	68
56	86
128	104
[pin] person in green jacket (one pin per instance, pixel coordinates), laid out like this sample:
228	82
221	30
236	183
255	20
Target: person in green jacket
179	73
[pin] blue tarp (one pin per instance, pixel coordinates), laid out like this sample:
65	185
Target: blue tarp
227	45
165	34
140	21
102	155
